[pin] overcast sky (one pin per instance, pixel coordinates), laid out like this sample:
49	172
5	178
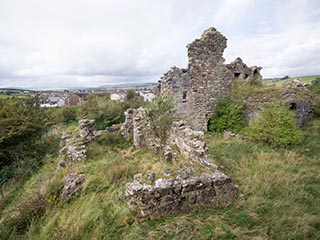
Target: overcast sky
75	43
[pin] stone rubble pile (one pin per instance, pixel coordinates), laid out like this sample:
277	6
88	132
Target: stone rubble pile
73	149
73	185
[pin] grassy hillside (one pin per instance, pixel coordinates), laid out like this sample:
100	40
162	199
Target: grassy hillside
279	195
279	82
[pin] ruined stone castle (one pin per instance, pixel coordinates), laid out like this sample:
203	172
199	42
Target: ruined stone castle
198	183
195	90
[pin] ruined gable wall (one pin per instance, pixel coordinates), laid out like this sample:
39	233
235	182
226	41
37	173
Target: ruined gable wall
241	72
209	77
176	83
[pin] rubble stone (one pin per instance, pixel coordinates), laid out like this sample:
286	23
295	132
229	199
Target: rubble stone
181	194
73	184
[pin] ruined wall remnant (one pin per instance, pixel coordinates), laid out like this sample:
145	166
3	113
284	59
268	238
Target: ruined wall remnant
72	185
190	143
138	126
299	99
195	90
183	193
176	83
293	95
73	145
241	72
196	186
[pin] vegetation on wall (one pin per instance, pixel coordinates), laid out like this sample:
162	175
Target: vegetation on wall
228	115
161	116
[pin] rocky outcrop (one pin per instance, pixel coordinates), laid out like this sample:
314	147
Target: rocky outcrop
183	193
73	185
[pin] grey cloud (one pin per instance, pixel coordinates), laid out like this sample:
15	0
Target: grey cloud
85	43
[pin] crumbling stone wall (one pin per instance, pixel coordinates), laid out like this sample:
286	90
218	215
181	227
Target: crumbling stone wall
195	90
196	186
190	143
73	145
167	196
299	99
293	95
176	83
241	72
138	126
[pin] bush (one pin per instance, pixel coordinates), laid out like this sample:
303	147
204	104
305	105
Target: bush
104	111
161	113
276	127
68	114
228	115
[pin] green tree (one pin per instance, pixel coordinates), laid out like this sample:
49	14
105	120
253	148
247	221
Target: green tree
161	113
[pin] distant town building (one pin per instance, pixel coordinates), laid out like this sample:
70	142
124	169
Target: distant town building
75	99
117	96
147	96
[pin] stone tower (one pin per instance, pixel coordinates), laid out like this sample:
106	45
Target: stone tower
195	90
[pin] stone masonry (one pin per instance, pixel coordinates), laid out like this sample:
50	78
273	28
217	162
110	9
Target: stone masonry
199	183
241	72
183	193
137	125
195	90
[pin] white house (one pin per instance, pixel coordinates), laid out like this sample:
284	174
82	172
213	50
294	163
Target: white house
147	96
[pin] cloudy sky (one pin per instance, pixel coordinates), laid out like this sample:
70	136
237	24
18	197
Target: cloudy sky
85	43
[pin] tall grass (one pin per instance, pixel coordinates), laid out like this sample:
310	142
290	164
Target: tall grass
279	195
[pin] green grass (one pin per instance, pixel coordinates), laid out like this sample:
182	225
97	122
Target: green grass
15	95
279	82
279	195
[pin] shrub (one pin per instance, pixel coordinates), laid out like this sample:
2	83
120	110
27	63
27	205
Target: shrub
276	127
228	115
68	114
104	111
161	113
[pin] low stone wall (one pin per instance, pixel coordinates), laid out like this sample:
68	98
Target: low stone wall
190	143
73	146
197	185
174	195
